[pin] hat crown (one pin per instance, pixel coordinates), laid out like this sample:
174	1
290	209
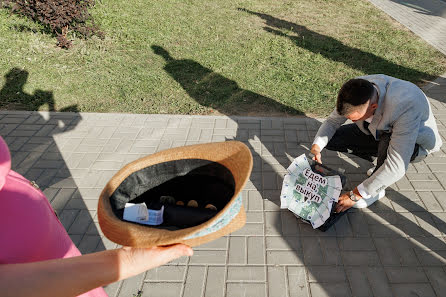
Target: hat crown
212	173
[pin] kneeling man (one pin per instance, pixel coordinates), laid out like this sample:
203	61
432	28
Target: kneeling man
392	121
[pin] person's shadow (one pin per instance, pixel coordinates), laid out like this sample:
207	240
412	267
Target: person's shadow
213	90
274	142
335	50
32	140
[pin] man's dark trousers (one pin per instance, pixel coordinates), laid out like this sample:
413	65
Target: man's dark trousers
350	139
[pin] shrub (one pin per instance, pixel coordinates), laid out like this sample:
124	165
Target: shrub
59	16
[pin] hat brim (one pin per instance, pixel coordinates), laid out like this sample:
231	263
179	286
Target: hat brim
233	155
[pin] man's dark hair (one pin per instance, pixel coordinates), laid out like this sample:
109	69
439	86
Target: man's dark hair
352	94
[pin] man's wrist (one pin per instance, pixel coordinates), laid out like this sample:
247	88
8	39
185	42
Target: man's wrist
356	192
319	142
315	149
316	153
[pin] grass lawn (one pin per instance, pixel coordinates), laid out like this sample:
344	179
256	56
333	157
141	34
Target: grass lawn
254	57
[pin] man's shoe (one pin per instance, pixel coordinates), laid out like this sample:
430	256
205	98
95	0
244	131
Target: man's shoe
370	171
363	203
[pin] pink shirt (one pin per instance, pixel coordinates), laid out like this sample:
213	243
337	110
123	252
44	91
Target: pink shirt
29	229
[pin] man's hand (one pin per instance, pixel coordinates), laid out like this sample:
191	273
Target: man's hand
344	203
316	151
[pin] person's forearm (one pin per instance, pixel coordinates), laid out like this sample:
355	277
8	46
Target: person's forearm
357	193
73	276
60	277
328	129
392	170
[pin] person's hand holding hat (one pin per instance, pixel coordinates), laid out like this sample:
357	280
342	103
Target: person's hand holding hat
56	267
137	260
77	275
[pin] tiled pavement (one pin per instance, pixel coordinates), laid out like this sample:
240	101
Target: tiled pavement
426	18
394	248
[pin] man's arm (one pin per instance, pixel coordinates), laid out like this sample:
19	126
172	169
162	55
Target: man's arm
77	275
402	142
325	133
344	201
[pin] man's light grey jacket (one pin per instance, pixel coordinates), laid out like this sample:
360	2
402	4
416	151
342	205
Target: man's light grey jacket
404	111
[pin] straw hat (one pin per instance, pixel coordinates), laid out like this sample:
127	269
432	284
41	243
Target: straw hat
214	173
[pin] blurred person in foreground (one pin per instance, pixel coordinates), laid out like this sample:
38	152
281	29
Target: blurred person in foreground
38	258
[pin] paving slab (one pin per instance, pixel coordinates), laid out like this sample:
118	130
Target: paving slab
426	18
395	248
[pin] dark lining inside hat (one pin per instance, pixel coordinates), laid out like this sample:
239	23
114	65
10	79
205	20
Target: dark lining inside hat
204	181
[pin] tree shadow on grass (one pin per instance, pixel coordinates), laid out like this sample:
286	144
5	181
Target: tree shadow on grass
31	137
337	51
346	258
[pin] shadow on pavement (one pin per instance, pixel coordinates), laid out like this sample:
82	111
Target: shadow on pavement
434	8
31	138
353	255
437	90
